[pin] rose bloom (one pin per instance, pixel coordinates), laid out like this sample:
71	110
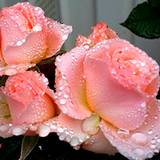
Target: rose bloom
112	88
27	107
27	37
25	99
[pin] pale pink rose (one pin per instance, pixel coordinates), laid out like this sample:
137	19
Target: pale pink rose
112	87
27	37
25	100
100	32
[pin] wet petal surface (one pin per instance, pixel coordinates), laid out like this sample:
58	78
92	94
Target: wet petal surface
124	108
70	84
139	144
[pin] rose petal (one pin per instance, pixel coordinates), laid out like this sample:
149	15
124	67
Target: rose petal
99	144
132	67
31	51
28	99
11	17
70	85
101	32
124	108
67	128
40	109
27	36
139	144
56	34
14	69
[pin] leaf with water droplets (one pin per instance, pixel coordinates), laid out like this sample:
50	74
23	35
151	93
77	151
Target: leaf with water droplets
28	144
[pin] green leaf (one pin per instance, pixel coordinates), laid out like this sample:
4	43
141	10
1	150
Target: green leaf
154	3
28	144
144	20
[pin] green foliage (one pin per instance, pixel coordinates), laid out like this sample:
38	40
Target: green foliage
144	20
28	144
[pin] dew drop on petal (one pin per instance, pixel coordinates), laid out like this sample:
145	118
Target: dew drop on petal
62	136
150	132
62	101
43	130
74	141
139	138
152	146
3	128
37	28
138	153
17	131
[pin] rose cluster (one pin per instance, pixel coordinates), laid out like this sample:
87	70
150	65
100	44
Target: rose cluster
105	88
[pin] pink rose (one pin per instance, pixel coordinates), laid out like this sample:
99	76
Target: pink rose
25	100
27	37
112	87
100	33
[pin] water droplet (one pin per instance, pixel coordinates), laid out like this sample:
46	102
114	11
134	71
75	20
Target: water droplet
66	96
74	141
64	37
139	138
153	141
58	59
19	43
37	28
143	104
59	93
158	140
60	130
62	136
17	131
156	117
43	130
138	153
3	128
61	88
62	101
152	146
68	138
150	132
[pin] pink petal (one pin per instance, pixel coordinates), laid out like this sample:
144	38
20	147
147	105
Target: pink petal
56	35
14	69
114	103
101	32
67	128
132	67
99	144
70	84
28	99
141	143
10	35
27	36
31	51
82	41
